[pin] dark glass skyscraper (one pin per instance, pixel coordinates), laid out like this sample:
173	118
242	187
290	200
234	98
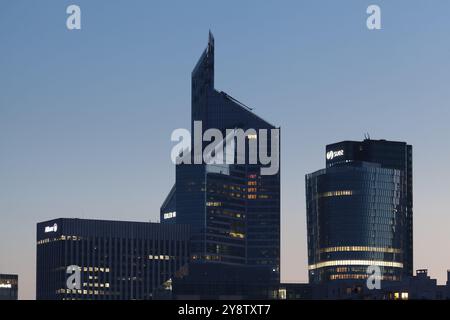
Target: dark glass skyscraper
117	260
233	210
359	211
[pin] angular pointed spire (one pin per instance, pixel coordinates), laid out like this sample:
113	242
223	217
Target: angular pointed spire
210	39
203	73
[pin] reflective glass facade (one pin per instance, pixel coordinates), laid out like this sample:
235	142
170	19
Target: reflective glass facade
359	212
117	260
233	210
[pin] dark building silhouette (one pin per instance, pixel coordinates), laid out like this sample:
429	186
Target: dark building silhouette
418	287
9	286
233	210
359	212
221	281
117	260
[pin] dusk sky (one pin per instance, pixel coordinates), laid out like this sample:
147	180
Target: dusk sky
86	115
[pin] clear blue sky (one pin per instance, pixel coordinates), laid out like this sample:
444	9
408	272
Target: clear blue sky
86	116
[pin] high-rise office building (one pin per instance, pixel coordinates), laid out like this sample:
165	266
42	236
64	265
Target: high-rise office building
359	212
233	210
115	260
9	286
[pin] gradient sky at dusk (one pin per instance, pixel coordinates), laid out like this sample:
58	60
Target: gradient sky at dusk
86	116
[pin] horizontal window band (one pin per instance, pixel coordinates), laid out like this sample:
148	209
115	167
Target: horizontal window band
360	248
355	263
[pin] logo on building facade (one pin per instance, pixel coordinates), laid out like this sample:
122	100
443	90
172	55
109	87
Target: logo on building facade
334	154
52	228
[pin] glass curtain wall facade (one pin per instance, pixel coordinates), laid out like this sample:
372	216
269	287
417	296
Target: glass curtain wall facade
359	212
117	260
233	210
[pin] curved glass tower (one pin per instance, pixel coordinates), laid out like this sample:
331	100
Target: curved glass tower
358	213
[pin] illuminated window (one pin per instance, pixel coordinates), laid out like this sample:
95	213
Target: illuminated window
348	276
239	235
360	248
169	215
282	294
355	262
339	193
213	204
